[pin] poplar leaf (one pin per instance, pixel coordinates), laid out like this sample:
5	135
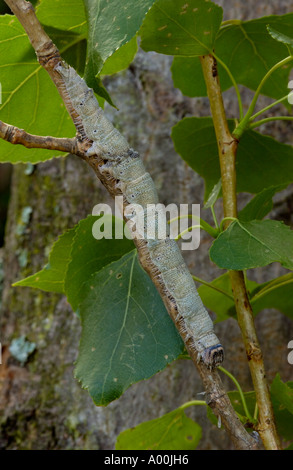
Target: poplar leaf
246	245
89	255
25	90
217	296
194	139
179	27
51	277
261	204
280	37
172	431
282	400
249	50
110	26
127	334
68	15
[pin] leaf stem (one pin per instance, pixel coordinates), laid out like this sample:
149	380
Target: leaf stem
187	230
255	411
225	220
192	403
215	218
269	119
268	107
208	284
270	288
237	133
231	22
247	413
203	224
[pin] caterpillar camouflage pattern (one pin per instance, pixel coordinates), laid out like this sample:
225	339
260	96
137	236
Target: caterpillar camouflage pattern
163	255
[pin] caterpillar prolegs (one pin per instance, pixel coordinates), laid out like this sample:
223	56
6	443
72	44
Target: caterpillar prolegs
163	256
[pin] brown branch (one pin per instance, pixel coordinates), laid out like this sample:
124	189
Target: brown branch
227	148
49	56
17	136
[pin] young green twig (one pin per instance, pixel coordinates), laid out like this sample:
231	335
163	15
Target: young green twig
227	148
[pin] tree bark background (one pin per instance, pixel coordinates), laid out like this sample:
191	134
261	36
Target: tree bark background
41	404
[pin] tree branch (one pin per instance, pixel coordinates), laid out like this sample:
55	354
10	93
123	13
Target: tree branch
227	148
16	136
49	57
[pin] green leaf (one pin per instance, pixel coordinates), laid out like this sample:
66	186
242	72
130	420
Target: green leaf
172	431
283	393
217	296
52	16
274	294
249	51
280	37
101	91
71	18
25	90
90	255
51	277
68	16
261	204
72	47
188	77
177	27
290	447
67	27
110	27
214	194
238	405
121	59
282	400
194	139
220	303
75	256
249	43
246	245
127	334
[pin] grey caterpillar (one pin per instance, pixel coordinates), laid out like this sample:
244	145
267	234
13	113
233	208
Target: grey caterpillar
137	187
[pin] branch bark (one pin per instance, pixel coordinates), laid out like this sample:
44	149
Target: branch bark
49	57
227	148
17	136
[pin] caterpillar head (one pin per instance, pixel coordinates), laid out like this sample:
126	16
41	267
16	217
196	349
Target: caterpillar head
213	356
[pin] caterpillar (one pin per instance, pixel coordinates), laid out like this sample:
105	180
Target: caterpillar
164	258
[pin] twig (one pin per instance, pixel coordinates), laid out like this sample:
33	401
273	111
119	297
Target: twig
49	57
16	136
227	148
